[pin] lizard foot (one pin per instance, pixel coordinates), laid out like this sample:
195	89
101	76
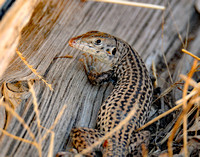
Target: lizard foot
85	137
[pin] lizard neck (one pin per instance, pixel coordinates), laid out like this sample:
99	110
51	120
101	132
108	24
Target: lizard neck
127	60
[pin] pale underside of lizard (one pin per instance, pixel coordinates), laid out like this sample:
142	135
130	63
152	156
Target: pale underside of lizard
132	91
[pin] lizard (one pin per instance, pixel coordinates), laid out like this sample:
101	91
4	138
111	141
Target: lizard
132	90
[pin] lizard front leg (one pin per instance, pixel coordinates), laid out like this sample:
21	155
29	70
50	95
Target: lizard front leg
95	77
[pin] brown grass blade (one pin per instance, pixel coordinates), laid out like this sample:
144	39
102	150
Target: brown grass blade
66	56
135	4
37	116
175	25
56	121
176	126
32	69
191	81
51	146
189	114
159	117
163	54
185	90
10	110
166	91
182	116
189	53
191	94
18	138
153	67
58	117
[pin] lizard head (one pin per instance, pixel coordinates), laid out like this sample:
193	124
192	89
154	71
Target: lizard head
101	45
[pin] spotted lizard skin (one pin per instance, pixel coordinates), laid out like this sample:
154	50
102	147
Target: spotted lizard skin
132	91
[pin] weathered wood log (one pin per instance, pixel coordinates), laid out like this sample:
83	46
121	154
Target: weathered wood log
46	36
10	28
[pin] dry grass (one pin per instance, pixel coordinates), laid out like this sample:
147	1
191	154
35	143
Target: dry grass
186	107
178	102
37	117
20	119
37	144
32	69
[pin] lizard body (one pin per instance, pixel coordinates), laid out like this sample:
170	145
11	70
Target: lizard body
132	90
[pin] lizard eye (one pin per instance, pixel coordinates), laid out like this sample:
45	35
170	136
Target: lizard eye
98	42
114	51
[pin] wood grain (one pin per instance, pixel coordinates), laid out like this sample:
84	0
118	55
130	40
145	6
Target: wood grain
46	36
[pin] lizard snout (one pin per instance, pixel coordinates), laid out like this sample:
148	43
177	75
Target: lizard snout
72	42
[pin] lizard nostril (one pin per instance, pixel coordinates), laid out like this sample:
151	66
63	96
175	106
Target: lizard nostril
72	42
